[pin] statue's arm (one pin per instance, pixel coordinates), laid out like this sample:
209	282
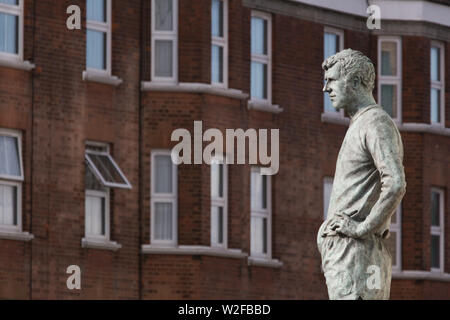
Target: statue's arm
383	142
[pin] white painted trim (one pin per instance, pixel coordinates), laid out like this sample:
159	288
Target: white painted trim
105	27
406	10
194	250
440	85
421	275
193	88
439	230
101	77
166	198
165	35
391	80
125	185
222	42
270	263
14	63
265	59
404	127
17	235
99	244
263	105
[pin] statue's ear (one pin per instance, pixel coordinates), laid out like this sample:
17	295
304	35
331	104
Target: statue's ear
356	82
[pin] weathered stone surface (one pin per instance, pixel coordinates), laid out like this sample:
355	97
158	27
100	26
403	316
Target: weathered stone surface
368	186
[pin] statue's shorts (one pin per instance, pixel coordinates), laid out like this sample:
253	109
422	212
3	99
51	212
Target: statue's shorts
355	268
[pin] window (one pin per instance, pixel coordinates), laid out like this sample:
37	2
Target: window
437	230
394	241
437	94
261	215
98	35
327	188
219	187
11	178
11	29
165	40
102	173
390	75
164	214
333	42
219	42
261	56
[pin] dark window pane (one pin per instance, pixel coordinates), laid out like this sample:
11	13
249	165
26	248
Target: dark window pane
435	212
435	251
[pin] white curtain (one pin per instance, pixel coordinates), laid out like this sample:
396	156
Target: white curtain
163	58
258	80
163	221
163	15
95	215
7	205
9	156
258	234
163	174
435	64
8	33
330	47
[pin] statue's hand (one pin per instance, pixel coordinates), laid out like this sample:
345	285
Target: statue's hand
342	224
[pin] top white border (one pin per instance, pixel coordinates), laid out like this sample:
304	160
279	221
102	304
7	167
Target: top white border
405	10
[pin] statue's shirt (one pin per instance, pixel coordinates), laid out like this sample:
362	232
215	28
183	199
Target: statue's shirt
369	170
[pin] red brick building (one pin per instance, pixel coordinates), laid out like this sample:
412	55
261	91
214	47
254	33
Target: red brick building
86	118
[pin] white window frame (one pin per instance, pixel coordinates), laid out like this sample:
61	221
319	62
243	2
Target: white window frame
397	228
263	213
439	230
99	194
166	198
222	42
391	80
266	59
221	202
165	35
340	34
327	180
440	85
16	10
105	27
15	181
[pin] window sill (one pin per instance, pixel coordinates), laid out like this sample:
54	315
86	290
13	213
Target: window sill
261	262
194	250
16	235
335	118
422	275
193	88
100	244
264	106
16	64
424	128
101	78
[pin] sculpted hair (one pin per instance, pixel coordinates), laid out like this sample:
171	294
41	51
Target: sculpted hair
353	62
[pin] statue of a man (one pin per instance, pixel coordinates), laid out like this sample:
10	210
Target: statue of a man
368	186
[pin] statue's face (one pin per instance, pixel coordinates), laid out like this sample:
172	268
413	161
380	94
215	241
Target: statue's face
338	87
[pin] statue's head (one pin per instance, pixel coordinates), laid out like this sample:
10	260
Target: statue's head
349	76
